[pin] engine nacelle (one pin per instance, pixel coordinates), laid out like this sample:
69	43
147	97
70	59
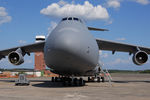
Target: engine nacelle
16	57
140	57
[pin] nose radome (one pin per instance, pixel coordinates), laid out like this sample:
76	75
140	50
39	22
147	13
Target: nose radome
69	42
71	49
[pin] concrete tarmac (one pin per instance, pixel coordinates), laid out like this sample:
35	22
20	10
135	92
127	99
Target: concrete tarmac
124	87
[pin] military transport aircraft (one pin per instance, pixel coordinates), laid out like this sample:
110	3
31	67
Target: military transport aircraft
71	51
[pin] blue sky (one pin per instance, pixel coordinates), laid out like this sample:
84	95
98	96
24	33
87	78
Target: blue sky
127	20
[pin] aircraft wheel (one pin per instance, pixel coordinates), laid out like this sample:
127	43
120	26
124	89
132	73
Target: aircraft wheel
56	79
103	79
98	79
69	82
64	83
16	84
89	79
81	82
52	79
75	83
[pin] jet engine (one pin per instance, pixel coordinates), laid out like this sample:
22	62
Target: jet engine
16	57
140	57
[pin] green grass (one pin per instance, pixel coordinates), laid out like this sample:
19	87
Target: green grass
129	71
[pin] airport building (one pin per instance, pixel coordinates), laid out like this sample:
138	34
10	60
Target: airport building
39	56
39	60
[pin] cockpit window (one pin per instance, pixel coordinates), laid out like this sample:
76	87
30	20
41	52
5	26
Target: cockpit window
64	19
76	19
70	18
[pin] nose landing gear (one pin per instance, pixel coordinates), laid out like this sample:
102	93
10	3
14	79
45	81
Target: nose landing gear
67	81
96	79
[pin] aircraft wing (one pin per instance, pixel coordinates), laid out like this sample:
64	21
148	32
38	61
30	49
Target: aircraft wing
35	47
121	47
97	29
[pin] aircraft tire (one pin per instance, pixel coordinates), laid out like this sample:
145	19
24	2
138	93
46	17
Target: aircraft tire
56	79
81	82
103	79
52	79
89	79
75	82
98	79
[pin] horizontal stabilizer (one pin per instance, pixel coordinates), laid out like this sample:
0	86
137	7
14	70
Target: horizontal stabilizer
97	29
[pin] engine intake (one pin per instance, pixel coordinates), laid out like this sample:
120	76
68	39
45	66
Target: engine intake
16	57
140	57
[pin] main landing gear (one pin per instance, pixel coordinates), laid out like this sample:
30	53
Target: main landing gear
67	81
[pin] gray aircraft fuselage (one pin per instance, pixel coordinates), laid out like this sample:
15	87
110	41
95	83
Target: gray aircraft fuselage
70	49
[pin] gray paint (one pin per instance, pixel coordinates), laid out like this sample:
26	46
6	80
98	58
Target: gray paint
70	49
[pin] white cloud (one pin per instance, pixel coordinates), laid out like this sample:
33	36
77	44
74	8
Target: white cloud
4	18
117	3
113	3
86	11
100	52
121	39
62	3
28	61
119	61
103	55
143	2
22	42
4	63
108	22
52	26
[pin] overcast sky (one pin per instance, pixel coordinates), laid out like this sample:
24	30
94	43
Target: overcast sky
127	20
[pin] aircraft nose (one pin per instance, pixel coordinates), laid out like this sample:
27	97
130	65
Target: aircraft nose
68	41
68	49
